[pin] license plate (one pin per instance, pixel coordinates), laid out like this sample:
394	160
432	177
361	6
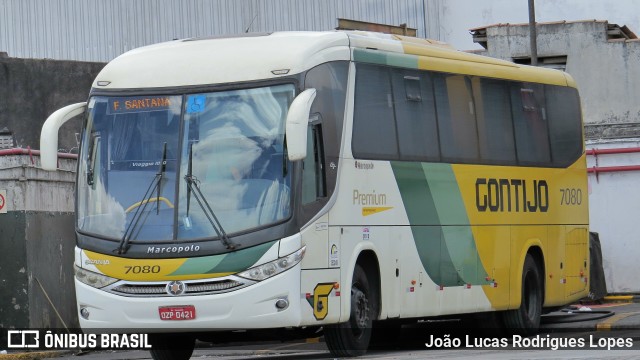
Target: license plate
181	312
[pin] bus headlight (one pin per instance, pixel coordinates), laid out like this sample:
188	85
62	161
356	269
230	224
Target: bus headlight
275	267
93	279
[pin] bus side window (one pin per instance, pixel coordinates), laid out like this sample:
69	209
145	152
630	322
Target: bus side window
530	124
456	118
565	124
374	129
313	172
495	128
415	115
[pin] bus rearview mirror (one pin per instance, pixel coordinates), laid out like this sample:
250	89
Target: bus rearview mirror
49	134
297	122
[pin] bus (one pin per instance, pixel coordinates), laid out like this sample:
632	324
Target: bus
323	180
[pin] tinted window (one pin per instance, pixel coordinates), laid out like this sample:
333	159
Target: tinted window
415	115
330	82
456	118
530	124
495	129
313	183
565	125
374	131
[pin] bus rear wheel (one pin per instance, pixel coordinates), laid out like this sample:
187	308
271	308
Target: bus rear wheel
525	320
352	338
171	346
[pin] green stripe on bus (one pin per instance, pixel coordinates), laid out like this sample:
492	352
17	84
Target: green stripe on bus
385	58
439	223
226	263
453	216
425	224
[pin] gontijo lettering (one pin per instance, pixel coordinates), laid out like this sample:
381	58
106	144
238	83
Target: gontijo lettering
138	104
512	195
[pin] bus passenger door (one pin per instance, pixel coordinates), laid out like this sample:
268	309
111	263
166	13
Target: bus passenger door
321	262
314	196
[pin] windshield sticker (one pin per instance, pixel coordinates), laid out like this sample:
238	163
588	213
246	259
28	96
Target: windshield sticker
195	104
138	104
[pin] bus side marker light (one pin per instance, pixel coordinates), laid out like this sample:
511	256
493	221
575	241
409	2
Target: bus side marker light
468	286
413	282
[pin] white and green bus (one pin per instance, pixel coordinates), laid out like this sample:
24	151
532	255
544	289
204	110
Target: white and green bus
323	180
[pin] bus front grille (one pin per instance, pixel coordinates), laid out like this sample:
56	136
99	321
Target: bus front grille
191	287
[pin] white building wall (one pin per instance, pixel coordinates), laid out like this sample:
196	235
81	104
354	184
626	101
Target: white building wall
100	30
614	210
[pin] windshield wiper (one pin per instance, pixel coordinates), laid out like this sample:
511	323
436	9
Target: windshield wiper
285	158
93	150
163	167
156	184
192	187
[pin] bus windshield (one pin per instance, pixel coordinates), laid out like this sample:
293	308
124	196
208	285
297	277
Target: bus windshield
157	167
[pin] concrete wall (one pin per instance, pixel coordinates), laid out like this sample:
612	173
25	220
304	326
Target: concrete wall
456	17
30	90
37	239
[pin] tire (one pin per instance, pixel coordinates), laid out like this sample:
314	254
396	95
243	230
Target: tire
352	338
526	319
171	346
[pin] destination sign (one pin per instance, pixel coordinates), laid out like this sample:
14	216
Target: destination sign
138	104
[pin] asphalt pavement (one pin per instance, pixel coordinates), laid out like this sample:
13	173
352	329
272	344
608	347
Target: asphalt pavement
617	318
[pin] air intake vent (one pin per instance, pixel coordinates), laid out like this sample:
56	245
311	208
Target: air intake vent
194	287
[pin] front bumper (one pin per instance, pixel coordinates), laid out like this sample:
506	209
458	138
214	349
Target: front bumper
252	307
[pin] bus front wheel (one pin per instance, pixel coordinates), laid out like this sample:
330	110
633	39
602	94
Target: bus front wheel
352	338
525	320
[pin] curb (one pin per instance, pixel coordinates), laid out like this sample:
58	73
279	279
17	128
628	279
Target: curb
623	298
35	355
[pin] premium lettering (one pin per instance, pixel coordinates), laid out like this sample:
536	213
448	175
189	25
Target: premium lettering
368	199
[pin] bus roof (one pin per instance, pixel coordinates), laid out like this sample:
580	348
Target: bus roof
217	60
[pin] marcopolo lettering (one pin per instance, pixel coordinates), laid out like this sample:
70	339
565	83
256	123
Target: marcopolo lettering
172	249
512	195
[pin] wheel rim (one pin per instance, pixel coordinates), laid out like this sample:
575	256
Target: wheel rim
360	318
